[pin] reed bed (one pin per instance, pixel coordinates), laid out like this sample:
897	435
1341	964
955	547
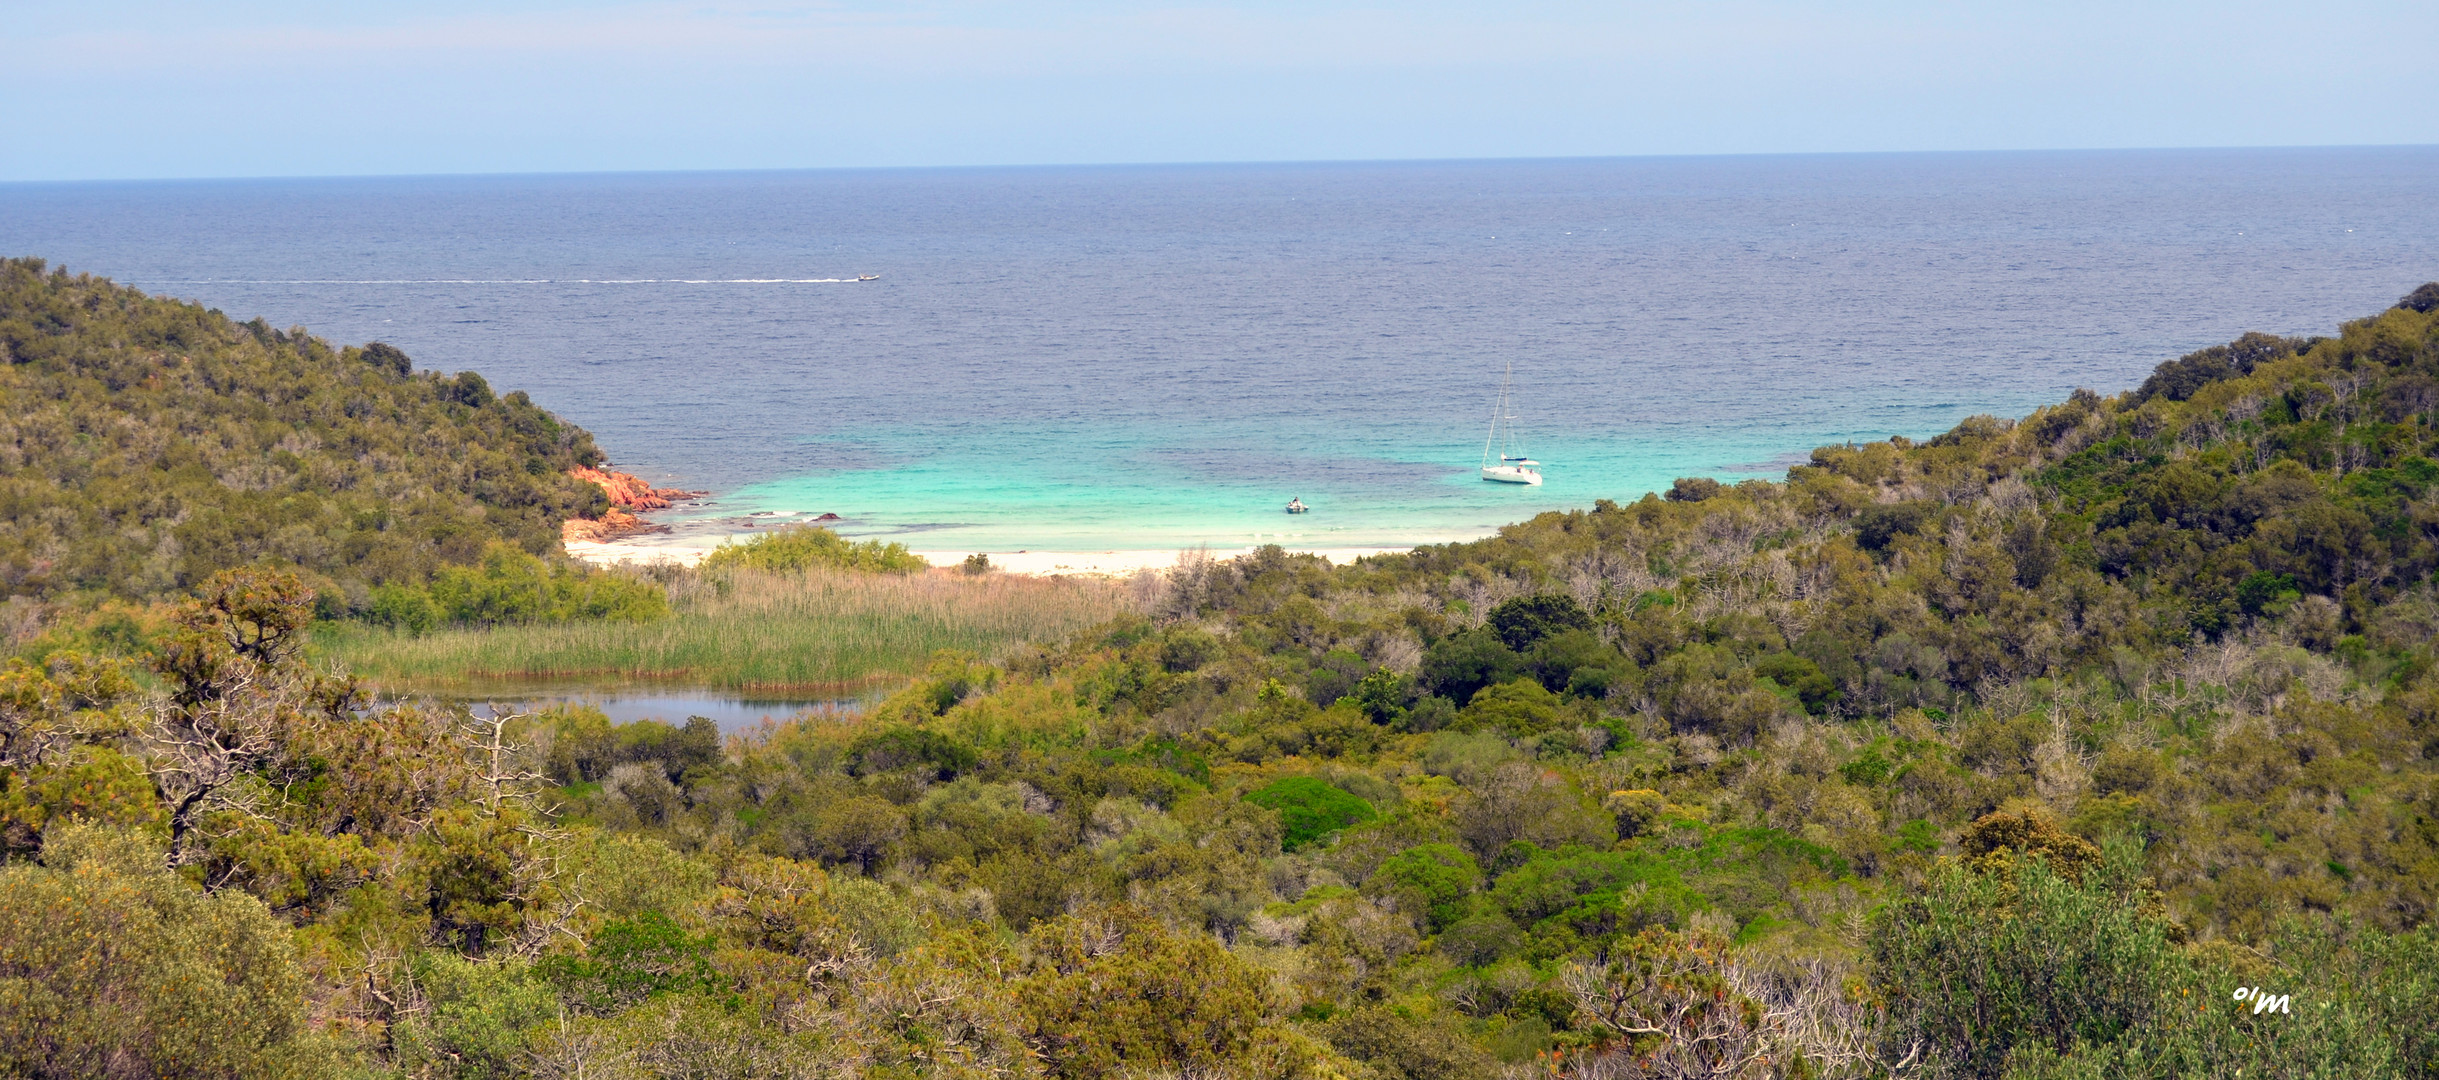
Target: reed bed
742	630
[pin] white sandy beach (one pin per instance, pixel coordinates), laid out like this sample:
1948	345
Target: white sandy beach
690	550
1118	563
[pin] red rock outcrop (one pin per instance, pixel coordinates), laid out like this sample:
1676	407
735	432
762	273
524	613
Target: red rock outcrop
628	493
609	526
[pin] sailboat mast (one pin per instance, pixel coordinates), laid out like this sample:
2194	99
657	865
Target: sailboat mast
1506	439
1507	433
1507	401
1512	466
1498	408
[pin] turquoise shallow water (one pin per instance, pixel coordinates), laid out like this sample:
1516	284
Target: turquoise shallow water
1099	358
1068	490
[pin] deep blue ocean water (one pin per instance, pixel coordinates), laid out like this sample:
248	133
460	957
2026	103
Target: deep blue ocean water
1093	358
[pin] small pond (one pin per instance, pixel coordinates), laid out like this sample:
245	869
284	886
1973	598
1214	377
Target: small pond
734	713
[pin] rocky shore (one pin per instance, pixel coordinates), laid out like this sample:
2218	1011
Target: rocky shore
629	496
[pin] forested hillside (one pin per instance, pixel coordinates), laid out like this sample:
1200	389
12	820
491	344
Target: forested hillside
146	443
2102	743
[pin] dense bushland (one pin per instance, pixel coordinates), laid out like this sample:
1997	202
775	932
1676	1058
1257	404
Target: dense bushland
147	443
2017	752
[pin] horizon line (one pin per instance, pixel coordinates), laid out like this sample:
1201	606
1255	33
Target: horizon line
1210	163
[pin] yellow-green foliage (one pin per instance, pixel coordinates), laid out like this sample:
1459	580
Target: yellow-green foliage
110	965
510	586
1112	992
146	443
799	548
2104	714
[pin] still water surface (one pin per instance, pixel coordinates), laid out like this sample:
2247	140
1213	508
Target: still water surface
1092	358
733	714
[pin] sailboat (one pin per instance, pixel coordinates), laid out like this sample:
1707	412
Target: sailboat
1512	467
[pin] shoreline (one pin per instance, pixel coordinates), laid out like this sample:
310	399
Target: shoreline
1122	562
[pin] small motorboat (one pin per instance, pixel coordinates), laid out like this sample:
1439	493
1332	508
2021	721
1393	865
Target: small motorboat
1296	506
868	277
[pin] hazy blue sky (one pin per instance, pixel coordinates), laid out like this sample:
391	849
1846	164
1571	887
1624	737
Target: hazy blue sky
149	88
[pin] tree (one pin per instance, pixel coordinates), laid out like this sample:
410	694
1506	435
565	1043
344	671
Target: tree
238	701
1458	666
1521	623
1518	801
1692	489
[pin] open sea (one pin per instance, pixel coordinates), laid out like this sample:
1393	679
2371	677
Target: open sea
1078	359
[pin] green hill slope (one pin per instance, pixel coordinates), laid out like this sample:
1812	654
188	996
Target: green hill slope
147	442
2100	743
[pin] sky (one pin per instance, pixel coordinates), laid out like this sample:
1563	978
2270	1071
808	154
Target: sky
133	89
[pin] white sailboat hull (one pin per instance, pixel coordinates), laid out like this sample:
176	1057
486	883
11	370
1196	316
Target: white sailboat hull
1514	465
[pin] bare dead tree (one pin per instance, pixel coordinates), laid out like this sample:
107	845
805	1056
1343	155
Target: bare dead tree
199	751
509	795
1685	1008
502	777
1672	1012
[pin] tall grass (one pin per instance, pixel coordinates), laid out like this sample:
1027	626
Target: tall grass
745	631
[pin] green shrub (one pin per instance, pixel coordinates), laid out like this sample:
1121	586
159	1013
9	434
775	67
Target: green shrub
682	1035
1407	1044
111	965
585	745
1309	809
1517	708
1112	993
939	756
630	960
1434	880
798	548
407	607
1979	963
510	587
91	784
482	1016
